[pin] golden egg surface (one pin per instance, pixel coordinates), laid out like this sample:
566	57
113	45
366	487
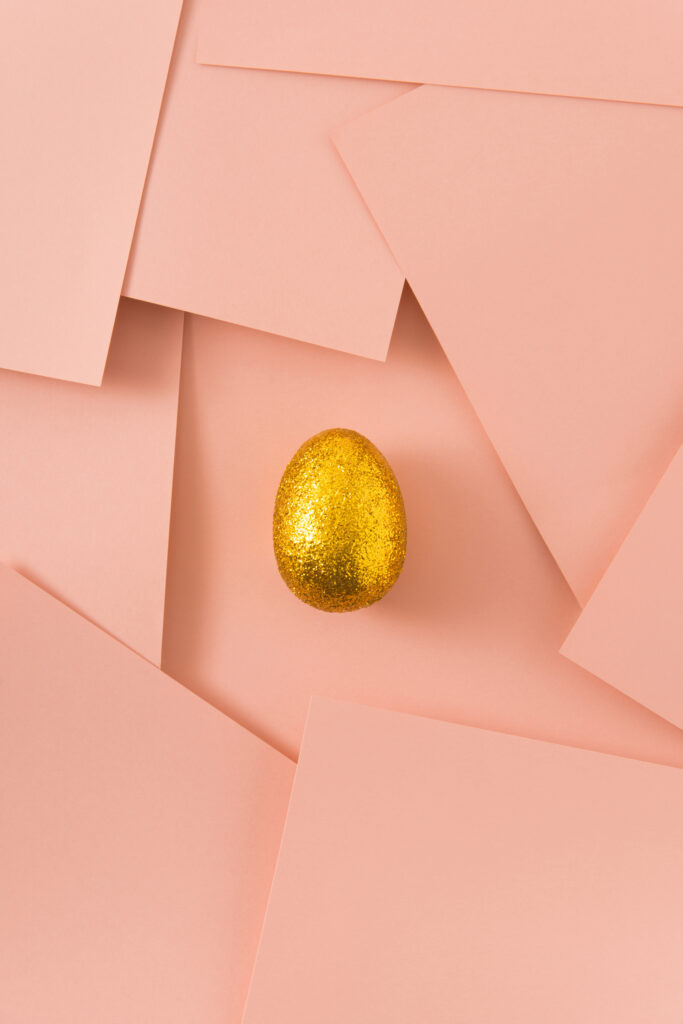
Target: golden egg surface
339	525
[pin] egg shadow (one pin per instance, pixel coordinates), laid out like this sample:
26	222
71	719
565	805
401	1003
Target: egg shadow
446	515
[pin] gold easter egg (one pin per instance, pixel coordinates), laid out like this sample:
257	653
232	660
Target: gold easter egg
339	525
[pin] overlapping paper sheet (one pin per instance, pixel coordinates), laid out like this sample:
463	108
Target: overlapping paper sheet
604	49
631	631
81	88
248	214
435	872
139	831
542	239
86	477
430	871
472	628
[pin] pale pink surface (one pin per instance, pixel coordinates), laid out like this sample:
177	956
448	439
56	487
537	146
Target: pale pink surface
86	477
139	831
631	631
542	237
249	215
81	86
431	872
472	628
610	49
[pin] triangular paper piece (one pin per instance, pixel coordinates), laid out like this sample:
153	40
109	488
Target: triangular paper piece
631	631
139	831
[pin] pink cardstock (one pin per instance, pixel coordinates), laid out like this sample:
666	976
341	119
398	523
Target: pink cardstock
542	237
139	831
86	477
631	631
82	85
434	872
472	628
608	50
249	215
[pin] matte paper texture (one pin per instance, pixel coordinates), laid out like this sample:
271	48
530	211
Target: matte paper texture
456	229
86	477
434	872
542	239
248	213
82	85
139	831
631	631
605	49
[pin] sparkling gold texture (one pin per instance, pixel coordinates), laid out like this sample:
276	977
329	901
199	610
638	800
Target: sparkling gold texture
339	525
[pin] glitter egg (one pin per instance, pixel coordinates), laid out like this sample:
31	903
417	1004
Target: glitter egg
339	525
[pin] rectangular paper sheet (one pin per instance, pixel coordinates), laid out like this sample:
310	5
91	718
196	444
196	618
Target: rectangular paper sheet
609	49
81	87
542	239
433	872
248	214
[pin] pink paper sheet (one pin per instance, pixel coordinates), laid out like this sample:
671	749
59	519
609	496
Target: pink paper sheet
139	831
81	86
431	872
609	50
250	216
542	237
631	631
471	630
86	477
